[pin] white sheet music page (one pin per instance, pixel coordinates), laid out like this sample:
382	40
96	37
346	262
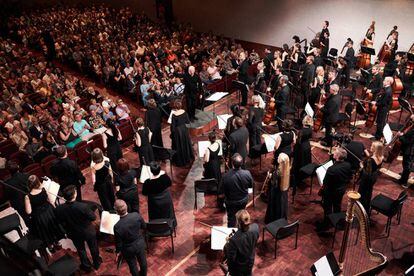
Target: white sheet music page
323	268
222	120
216	96
219	235
387	132
321	171
108	222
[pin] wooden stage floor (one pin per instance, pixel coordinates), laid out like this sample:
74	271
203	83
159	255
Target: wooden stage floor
193	255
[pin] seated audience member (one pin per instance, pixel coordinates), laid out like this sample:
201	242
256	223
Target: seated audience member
81	127
122	111
160	203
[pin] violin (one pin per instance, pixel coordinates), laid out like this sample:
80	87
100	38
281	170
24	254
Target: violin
396	148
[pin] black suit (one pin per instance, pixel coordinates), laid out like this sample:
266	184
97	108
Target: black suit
238	141
241	250
334	186
66	172
76	218
383	106
350	57
355	151
235	188
244	77
254	124
330	115
281	100
407	148
375	84
307	78
130	242
192	88
18	180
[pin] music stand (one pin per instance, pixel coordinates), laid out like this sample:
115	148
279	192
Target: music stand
405	106
368	50
239	86
163	154
360	110
327	265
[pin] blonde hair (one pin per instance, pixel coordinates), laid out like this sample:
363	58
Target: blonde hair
307	121
284	168
243	220
378	149
255	99
320	71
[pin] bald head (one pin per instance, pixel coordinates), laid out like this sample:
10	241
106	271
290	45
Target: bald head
237	160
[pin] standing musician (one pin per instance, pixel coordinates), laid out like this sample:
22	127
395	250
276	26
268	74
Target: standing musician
369	36
294	61
260	82
240	248
192	88
308	76
350	54
243	76
334	186
317	86
375	84
324	39
285	57
390	69
383	103
231	126
285	140
333	78
325	30
281	99
407	148
268	63
238	139
330	113
254	122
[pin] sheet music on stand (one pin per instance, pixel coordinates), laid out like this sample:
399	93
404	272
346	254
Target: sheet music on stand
170	118
387	132
321	171
108	222
222	120
145	173
216	96
203	145
326	266
52	188
219	235
270	141
309	110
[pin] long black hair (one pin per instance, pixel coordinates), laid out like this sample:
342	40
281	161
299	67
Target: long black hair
111	124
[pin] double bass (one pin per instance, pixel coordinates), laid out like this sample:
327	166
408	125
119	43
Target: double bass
396	144
397	88
364	59
318	112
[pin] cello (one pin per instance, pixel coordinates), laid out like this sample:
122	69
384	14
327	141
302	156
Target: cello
318	112
397	88
396	148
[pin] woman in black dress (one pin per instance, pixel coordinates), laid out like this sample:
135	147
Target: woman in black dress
316	87
39	207
142	140
126	185
111	139
211	159
302	155
160	203
369	174
285	140
180	137
254	123
153	119
277	205
102	178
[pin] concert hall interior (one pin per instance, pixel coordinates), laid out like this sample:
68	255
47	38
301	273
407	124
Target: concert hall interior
216	137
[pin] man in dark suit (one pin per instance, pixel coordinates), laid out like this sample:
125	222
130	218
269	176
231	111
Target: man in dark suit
36	130
129	240
192	88
308	76
19	181
268	62
330	113
244	77
236	183
333	78
383	102
241	249
66	172
334	185
375	83
407	149
281	100
238	139
76	218
350	54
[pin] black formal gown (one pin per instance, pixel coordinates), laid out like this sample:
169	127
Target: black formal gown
160	203
44	224
153	118
103	186
212	167
301	154
181	141
128	190
113	149
146	154
367	181
277	204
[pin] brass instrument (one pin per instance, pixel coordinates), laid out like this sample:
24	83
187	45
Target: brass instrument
371	262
